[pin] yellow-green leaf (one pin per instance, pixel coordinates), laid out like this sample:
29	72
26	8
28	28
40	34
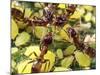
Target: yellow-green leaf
64	35
70	50
14	50
13	64
83	59
77	14
22	39
31	50
93	19
28	12
21	24
88	17
41	12
88	8
40	31
67	61
24	66
37	5
14	29
58	69
59	53
62	6
29	29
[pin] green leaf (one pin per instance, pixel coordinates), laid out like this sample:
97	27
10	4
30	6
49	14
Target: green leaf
22	39
83	59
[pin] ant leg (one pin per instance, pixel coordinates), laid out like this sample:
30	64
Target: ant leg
27	64
31	15
47	63
23	13
45	66
33	53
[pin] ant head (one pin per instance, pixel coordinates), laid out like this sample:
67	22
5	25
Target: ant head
72	6
72	32
17	14
60	20
47	39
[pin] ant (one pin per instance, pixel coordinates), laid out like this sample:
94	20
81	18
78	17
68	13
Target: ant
61	20
47	40
17	14
79	44
37	63
49	17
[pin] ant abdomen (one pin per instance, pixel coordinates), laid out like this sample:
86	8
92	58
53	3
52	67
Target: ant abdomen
36	67
90	51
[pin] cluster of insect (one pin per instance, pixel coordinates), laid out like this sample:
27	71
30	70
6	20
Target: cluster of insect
53	22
